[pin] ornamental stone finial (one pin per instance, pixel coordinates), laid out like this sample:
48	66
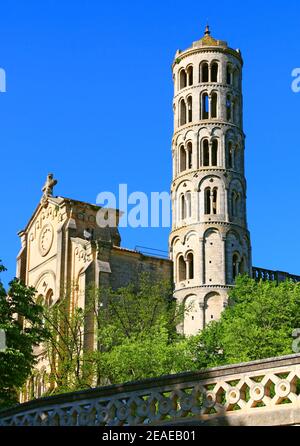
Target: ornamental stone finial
48	187
207	31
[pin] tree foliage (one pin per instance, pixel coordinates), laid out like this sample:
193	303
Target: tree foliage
257	324
22	320
137	338
67	358
137	332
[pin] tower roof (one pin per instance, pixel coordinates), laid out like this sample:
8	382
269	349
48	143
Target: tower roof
208	40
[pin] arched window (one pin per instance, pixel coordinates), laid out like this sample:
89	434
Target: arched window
205	153
211	201
190	75
204	72
190	266
214	154
182	158
214	72
189	156
214	105
228	108
207	201
205	106
181	269
183	207
215	201
182	112
188	204
190	109
183	79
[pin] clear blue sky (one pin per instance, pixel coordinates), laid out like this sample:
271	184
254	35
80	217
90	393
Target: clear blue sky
89	97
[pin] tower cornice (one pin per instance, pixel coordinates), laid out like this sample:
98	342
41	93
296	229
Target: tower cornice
181	55
206	86
206	123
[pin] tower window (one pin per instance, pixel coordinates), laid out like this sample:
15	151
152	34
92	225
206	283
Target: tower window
214	155
215	201
181	269
190	266
190	75
205	106
214	104
189	156
207	201
211	201
183	207
183	79
182	159
204	72
205	153
190	109
182	112
214	72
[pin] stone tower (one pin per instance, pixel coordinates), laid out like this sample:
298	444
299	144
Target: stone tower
209	243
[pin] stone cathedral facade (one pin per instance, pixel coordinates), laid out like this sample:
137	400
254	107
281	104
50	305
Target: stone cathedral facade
210	242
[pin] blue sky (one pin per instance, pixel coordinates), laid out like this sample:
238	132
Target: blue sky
89	97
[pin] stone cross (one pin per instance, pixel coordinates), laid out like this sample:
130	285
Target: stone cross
49	185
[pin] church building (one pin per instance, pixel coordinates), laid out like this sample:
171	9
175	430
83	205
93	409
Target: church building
64	250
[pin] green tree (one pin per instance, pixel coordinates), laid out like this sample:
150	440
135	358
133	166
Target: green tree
68	360
257	324
140	358
137	333
22	320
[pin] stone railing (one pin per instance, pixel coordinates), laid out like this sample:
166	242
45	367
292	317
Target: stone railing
259	393
273	276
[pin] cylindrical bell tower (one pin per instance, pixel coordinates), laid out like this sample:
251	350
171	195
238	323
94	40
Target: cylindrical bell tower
209	243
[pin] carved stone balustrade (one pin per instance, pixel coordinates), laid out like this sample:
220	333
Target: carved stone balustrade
264	392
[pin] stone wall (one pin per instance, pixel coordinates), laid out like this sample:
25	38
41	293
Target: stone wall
126	267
